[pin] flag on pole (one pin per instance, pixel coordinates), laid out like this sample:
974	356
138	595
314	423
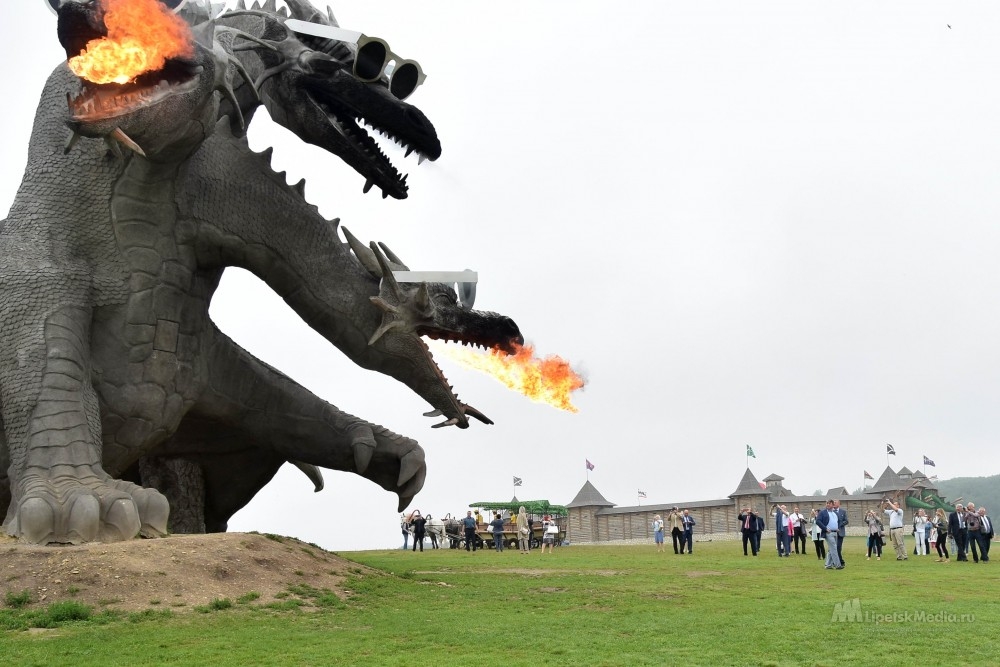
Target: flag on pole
890	450
928	462
590	466
642	494
750	452
517	481
868	475
762	484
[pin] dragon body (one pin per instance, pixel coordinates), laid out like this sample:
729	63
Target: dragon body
112	375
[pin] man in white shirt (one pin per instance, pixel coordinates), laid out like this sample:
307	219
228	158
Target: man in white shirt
799	530
895	514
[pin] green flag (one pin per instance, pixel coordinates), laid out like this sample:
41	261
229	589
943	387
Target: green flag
750	452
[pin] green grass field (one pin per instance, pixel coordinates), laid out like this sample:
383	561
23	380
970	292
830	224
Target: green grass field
623	605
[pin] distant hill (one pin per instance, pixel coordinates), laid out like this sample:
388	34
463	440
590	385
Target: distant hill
979	490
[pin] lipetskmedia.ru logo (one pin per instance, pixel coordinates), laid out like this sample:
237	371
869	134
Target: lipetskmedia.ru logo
850	611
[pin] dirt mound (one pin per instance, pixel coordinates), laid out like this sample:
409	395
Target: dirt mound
177	572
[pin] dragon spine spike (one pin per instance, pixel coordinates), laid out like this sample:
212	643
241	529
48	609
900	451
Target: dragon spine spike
126	141
364	255
266	154
270	6
241	4
255	6
283	13
300	187
393	258
333	19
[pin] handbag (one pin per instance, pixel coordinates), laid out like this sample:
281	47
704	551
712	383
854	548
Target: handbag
552	530
524	530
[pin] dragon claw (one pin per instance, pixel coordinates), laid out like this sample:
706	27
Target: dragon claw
363	452
471	411
73	511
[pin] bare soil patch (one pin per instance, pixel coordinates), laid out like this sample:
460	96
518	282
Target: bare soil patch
177	572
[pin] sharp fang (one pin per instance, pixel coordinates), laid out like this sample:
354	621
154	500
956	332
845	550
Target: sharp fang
408	151
368	185
421	158
127	142
433	413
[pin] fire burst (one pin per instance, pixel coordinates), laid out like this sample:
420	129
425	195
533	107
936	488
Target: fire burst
142	35
549	380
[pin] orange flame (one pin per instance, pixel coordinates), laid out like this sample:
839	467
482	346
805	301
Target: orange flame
142	35
549	380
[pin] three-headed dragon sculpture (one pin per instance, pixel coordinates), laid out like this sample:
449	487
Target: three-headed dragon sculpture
117	390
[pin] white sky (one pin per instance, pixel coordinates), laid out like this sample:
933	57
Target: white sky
764	223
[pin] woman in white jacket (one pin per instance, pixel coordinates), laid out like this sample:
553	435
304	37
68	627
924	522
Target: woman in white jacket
919	522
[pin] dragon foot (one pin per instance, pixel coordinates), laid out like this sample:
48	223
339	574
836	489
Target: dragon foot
69	510
394	462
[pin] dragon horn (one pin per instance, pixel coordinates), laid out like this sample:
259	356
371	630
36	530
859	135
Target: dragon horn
364	255
388	280
392	257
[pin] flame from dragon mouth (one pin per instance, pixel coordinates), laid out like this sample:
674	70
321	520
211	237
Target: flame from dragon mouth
550	380
142	36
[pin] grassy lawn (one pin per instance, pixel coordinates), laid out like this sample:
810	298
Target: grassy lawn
579	606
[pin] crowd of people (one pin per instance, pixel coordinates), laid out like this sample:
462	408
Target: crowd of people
965	529
465	530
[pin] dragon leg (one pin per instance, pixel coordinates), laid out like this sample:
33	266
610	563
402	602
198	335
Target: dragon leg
251	419
59	491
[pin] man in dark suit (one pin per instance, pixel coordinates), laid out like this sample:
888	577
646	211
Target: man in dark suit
956	526
687	524
783	540
761	524
748	526
841	530
985	535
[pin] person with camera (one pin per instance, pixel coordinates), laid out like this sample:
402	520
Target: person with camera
816	533
748	528
799	530
676	529
875	532
895	514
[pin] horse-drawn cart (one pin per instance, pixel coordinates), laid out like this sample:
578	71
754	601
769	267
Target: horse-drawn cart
536	509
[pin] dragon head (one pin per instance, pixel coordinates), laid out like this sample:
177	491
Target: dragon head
412	310
307	84
163	111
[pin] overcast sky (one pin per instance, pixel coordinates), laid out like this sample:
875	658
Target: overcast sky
763	223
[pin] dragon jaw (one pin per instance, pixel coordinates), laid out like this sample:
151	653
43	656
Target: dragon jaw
164	112
306	85
412	311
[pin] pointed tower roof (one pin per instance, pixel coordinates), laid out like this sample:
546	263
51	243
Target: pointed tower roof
773	477
889	481
905	472
747	486
514	499
589	496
